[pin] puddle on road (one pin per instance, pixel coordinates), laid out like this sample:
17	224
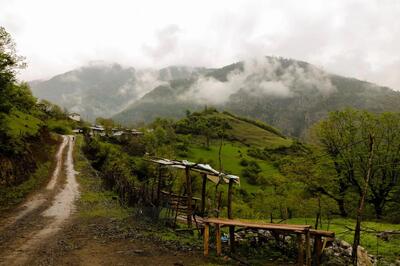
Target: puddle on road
56	172
60	210
63	204
37	200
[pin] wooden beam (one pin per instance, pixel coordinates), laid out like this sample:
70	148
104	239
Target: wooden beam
206	238
189	197
281	227
203	194
308	248
218	239
300	251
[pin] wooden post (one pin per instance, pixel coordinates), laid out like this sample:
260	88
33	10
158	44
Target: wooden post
230	216
159	186
218	239
232	238
318	250
219	203
203	194
230	199
300	254
189	197
206	238
308	247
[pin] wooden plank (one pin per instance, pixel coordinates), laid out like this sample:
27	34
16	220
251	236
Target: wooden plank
283	227
218	239
206	238
308	248
300	250
323	233
178	196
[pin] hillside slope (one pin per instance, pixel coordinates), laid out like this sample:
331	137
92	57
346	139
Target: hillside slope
290	95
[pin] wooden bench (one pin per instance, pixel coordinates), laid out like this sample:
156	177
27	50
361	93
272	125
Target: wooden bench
299	230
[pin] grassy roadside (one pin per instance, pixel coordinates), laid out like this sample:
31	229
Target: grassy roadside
95	201
101	207
11	196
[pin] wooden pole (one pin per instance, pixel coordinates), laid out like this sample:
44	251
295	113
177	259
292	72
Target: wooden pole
230	192
300	254
203	194
230	216
308	248
159	186
189	197
218	239
206	238
357	231
318	250
219	203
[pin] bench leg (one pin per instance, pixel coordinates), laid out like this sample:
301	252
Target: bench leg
318	250
300	246
218	239
308	248
206	238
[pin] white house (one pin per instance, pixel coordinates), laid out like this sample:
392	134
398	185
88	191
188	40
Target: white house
75	116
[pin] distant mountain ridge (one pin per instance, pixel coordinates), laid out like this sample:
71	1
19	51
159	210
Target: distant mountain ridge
288	94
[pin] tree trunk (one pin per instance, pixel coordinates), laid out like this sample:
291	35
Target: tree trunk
378	206
360	209
342	209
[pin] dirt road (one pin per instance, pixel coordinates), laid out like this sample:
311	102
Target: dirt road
53	227
43	214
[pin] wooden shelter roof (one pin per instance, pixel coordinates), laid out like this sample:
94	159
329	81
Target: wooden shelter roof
212	174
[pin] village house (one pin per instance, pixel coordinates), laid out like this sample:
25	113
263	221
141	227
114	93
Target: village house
75	116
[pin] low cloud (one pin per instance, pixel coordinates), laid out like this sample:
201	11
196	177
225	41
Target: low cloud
166	43
262	77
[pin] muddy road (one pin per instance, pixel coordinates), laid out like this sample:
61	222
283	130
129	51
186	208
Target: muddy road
43	214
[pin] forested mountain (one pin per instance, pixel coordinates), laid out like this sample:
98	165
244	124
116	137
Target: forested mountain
104	89
288	94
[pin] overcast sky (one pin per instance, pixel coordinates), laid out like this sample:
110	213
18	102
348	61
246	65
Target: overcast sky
358	38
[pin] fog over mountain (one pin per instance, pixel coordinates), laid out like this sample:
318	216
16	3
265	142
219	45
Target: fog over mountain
103	89
286	93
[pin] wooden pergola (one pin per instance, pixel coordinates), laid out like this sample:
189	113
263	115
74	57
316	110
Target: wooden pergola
207	173
304	232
